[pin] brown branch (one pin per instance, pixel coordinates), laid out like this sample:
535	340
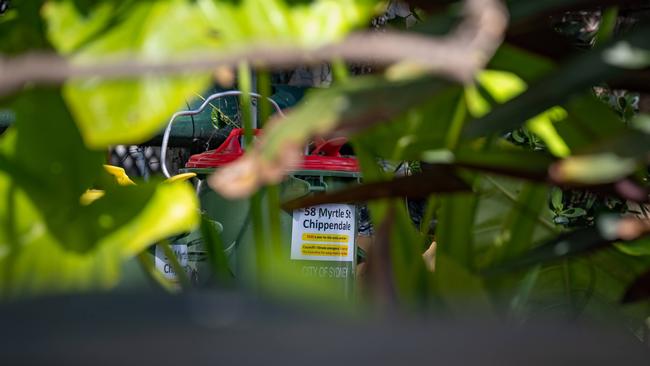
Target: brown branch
457	56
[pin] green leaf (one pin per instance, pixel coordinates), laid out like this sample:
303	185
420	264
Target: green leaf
543	126
34	261
128	112
112	112
556	199
423	127
574	212
52	241
69	28
305	24
213	244
577	75
520	304
406	247
510	218
348	108
639	247
523	220
459	289
503	86
453	233
565	245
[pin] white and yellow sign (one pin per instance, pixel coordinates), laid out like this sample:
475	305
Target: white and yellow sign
324	233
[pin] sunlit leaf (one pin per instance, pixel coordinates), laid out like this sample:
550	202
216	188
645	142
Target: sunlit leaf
37	262
51	241
503	86
68	28
575	76
112	112
306	24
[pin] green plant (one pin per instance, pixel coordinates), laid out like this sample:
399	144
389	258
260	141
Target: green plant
529	177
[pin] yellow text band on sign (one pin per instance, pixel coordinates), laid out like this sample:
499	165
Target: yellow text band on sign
325	250
325	238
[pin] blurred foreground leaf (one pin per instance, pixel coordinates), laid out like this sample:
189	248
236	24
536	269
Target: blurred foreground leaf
131	111
112	112
281	23
50	240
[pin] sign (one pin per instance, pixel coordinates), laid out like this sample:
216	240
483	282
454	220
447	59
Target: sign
324	233
164	265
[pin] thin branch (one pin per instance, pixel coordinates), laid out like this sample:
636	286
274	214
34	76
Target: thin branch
457	56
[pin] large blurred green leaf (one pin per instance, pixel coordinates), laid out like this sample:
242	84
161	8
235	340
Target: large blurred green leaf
128	111
588	287
50	240
34	261
285	23
69	27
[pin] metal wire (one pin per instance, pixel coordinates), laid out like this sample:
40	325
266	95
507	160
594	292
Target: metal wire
165	141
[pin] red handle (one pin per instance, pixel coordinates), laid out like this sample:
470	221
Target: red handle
330	147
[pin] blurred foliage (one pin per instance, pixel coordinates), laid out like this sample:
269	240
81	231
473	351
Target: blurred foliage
52	241
548	149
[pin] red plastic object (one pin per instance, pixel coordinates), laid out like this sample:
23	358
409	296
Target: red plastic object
325	156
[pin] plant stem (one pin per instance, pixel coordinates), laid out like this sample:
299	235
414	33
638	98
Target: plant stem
245	85
258	235
264	88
